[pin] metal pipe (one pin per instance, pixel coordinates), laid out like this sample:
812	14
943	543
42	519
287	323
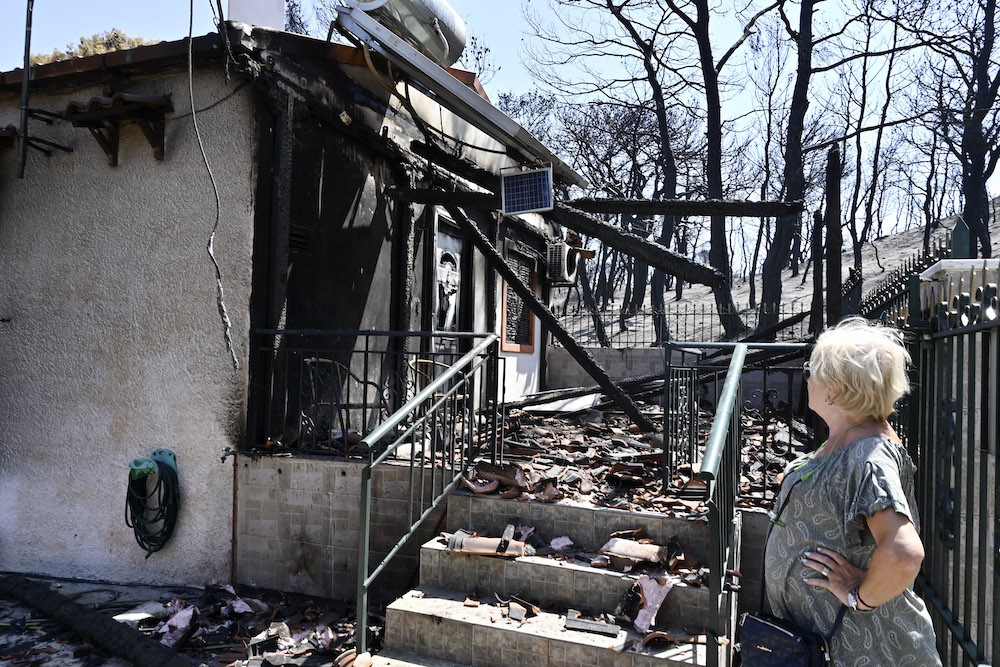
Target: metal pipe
720	427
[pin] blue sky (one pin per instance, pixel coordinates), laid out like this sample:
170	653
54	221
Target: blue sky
57	23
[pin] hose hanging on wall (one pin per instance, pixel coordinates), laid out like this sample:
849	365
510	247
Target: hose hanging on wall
152	512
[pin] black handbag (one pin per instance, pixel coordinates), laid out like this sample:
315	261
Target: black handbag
767	641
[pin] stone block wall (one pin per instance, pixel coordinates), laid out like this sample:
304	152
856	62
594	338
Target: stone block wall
298	523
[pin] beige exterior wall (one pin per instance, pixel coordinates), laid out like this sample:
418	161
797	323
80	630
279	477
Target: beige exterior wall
114	345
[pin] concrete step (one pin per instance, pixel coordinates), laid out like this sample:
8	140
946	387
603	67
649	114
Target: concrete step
390	657
587	525
434	622
552	583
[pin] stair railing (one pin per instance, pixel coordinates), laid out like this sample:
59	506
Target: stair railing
453	419
720	470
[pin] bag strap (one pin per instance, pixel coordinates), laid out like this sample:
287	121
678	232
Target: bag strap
763	562
767	538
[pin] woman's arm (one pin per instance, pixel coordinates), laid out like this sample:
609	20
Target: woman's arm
894	565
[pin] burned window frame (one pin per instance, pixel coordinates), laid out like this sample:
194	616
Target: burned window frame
507	345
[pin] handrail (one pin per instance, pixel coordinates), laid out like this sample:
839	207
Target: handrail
709	470
436	394
374	332
719	469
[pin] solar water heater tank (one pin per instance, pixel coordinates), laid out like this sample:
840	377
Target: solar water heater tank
432	27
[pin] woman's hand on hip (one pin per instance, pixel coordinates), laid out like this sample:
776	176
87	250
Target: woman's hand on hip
834	572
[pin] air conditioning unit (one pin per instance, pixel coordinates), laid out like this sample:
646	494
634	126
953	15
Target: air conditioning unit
561	263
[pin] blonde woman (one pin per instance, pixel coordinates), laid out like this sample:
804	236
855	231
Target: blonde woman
848	530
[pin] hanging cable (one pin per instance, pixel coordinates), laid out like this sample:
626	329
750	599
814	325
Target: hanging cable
152	513
220	294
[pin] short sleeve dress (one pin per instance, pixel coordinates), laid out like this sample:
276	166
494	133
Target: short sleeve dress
829	508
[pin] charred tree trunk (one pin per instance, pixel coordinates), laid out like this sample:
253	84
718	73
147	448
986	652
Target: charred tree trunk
590	305
834	239
975	144
787	226
816	307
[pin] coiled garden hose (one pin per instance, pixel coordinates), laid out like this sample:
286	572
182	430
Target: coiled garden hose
152	513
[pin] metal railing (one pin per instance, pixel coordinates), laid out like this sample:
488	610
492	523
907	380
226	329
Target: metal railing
322	390
441	430
720	462
891	292
677	323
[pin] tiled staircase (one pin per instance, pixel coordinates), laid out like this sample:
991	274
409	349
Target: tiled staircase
432	625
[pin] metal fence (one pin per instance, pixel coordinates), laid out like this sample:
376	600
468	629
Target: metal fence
953	437
678	323
891	294
323	390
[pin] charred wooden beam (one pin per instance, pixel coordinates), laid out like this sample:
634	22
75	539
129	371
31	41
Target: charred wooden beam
539	309
107	633
649	252
467	169
478	200
728	208
630	386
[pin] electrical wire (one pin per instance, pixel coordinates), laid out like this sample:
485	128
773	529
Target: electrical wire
152	515
214	104
220	294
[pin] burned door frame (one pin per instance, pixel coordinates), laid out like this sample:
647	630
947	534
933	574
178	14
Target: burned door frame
464	317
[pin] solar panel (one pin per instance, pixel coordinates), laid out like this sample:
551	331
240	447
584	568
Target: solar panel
526	191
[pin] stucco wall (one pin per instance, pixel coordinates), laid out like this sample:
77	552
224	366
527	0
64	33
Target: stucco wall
114	344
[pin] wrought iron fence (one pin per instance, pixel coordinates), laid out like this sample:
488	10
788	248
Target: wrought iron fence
891	293
678	323
323	390
951	428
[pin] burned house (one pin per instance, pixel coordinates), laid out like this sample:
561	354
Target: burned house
216	247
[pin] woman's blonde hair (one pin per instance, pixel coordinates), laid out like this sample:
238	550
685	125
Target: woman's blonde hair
864	364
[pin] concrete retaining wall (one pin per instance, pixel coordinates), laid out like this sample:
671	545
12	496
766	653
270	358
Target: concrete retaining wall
563	371
298	522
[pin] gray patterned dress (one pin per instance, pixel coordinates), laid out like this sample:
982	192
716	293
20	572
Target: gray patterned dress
829	509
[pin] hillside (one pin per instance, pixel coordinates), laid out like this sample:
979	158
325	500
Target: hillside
877	259
693	317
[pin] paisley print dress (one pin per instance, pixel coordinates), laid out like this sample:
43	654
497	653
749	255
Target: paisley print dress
828	507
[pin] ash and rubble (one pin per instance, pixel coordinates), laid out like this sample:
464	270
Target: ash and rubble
599	458
219	625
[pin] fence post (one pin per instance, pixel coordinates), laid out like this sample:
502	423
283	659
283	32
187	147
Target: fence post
961	247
